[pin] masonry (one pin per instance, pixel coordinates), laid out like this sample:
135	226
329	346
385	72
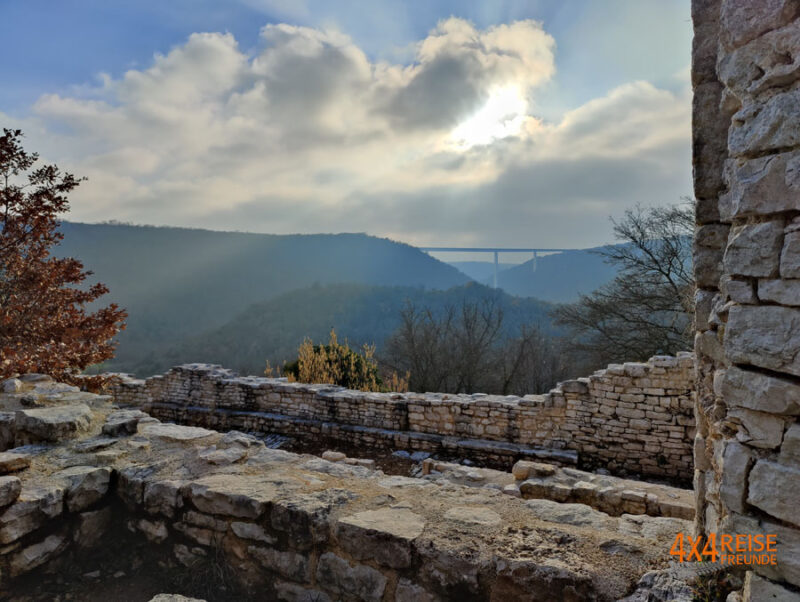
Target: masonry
633	418
85	475
746	128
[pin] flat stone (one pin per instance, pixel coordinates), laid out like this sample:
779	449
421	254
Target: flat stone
333	456
756	391
757	588
85	485
37	554
773	487
10	488
790	256
766	336
123	422
472	515
232	495
251	531
384	535
735	465
766	125
36	505
790	450
12	462
757	429
223	457
754	249
340	579
762	186
175	432
570	514
287	564
163	497
12	385
55	423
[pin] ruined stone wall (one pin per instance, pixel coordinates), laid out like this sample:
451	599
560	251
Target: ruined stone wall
634	418
746	128
96	479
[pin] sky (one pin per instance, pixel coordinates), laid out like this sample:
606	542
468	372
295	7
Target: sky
438	123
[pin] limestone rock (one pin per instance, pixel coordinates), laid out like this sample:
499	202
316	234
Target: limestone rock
123	422
763	186
790	450
473	515
163	497
333	456
758	588
384	535
175	432
10	488
12	462
85	485
743	20
12	385
754	249
790	256
757	429
766	336
232	495
35	505
54	424
287	564
768	125
252	531
756	391
37	554
361	582
155	531
735	465
223	457
773	488
92	527
785	292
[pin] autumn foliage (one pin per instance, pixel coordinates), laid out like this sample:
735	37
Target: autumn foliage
45	325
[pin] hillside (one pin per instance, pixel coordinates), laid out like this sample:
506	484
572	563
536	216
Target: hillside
558	278
362	314
177	282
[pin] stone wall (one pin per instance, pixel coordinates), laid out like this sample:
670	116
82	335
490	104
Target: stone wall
634	418
289	527
746	128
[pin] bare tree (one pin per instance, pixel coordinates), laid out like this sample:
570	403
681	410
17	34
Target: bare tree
465	349
647	308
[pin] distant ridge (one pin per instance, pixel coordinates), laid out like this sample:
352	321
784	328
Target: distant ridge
178	282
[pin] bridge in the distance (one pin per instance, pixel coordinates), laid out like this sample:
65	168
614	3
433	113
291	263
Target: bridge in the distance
495	250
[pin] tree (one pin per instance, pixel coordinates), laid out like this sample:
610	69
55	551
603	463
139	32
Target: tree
44	322
647	309
466	349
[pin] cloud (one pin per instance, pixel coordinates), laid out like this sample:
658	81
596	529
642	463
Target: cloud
307	133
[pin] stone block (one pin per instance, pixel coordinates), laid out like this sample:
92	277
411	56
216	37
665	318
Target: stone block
55	423
762	186
384	535
754	249
757	391
85	485
10	488
790	450
744	20
37	554
735	466
35	506
765	126
790	256
231	495
708	249
13	462
765	336
757	429
340	579
784	292
287	564
757	588
773	488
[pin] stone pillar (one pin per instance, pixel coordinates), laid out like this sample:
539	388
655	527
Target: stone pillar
746	157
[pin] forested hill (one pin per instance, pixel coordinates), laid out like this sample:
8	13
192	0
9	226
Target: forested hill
363	314
177	282
558	278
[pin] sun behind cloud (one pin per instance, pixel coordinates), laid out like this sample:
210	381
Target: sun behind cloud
503	115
